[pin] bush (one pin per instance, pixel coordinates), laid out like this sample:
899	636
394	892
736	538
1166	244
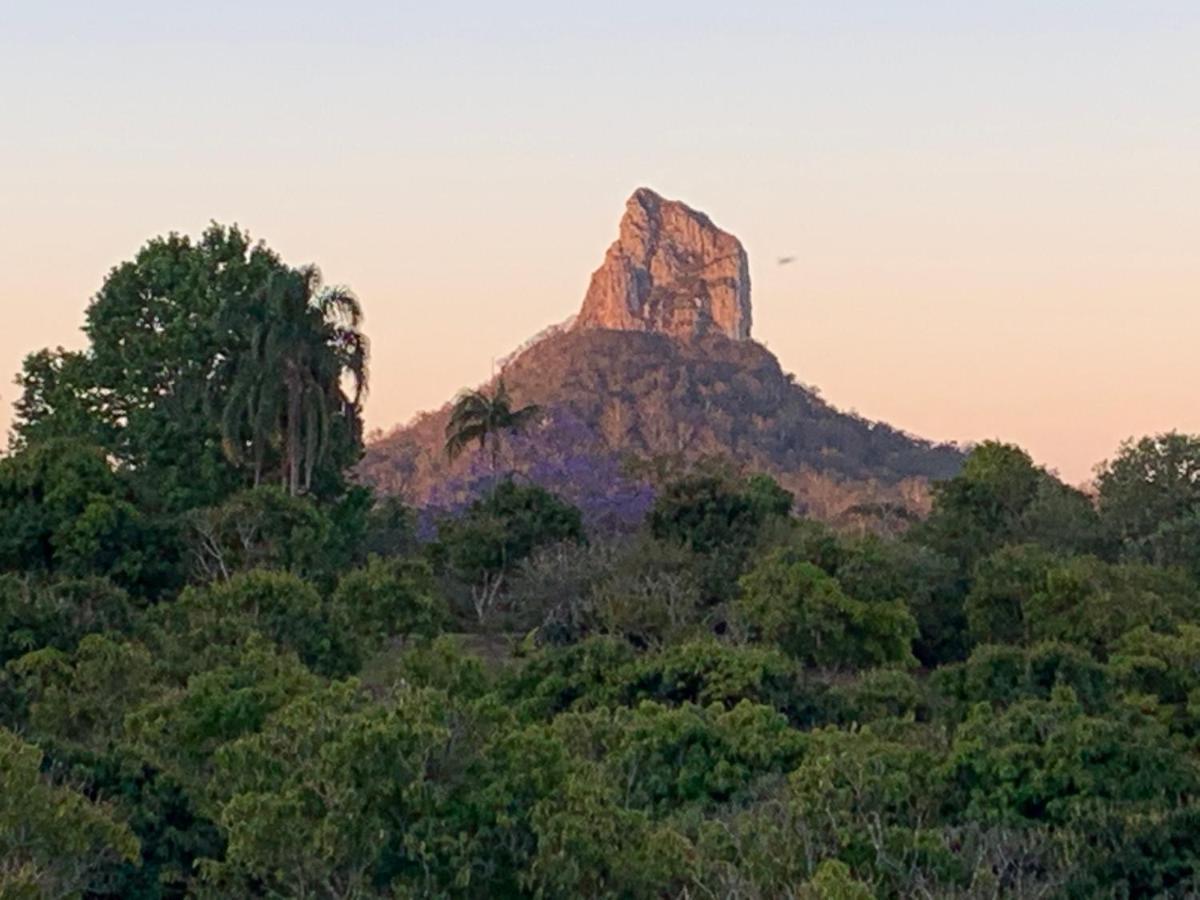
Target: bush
389	597
803	610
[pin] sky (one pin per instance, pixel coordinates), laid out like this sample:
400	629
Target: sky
994	206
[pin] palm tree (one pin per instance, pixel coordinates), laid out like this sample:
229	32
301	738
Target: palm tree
287	392
482	417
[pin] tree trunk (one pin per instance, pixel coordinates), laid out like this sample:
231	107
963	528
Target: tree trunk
293	435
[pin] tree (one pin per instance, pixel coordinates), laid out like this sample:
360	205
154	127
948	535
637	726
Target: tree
207	361
498	531
317	801
797	606
478	416
1001	592
389	597
1001	497
719	518
158	331
65	511
1149	498
1049	761
54	842
286	389
264	527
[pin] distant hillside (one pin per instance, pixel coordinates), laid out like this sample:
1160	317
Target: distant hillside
611	396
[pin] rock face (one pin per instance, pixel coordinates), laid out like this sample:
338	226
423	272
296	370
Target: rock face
672	271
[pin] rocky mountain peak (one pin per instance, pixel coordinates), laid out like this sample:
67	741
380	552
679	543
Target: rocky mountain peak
671	271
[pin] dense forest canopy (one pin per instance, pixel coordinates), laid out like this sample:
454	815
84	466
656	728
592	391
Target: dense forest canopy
226	669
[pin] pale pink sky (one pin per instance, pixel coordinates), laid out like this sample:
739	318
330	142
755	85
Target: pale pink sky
995	211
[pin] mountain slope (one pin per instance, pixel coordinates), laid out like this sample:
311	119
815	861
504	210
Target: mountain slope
610	395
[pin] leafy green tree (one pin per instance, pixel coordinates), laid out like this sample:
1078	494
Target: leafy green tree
498	531
877	569
561	678
718	519
1149	498
1049	761
316	801
209	625
1092	603
390	528
35	614
264	527
710	515
1000	497
54	842
589	845
207	362
143	388
704	672
1002	590
867	800
181	730
878	694
484	418
1001	675
64	511
390	597
797	606
1165	666
667	757
57	402
78	700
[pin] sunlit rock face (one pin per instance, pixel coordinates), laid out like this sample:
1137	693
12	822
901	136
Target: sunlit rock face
671	271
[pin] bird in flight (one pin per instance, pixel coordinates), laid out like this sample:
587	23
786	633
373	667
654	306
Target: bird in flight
784	260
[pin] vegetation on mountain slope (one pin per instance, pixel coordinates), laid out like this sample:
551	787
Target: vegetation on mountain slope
645	397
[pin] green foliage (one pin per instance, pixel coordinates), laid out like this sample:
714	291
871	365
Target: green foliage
143	384
1149	499
706	672
724	704
65	511
879	694
877	569
1024	594
58	613
286	410
665	757
1002	590
1048	760
79	700
54	842
1092	603
314	801
867	799
389	528
264	527
210	366
1000	497
390	597
212	621
498	531
805	612
181	729
1002	675
719	520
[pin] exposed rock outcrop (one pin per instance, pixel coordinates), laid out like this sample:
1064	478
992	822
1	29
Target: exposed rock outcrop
672	271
